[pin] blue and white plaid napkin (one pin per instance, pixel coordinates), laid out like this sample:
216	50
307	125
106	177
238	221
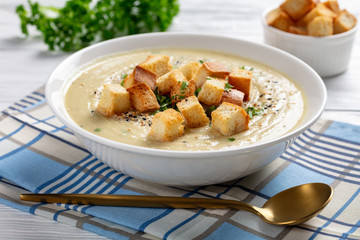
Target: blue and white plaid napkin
39	154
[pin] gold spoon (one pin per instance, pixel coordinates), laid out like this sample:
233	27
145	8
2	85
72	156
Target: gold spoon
290	207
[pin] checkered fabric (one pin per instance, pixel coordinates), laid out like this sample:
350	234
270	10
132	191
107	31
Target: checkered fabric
39	154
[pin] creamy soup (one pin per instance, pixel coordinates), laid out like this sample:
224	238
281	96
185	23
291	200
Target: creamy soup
279	102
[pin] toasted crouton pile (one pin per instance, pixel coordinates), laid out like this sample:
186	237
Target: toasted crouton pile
181	97
311	17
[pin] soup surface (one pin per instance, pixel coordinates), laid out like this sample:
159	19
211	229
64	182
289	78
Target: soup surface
276	99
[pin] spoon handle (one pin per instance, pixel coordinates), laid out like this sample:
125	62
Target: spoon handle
137	201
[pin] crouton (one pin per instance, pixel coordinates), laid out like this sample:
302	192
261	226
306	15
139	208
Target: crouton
143	98
240	79
201	76
216	69
333	5
167	126
297	8
279	19
114	99
158	64
229	119
344	22
140	75
210	69
233	96
193	112
298	30
319	10
168	80
211	91
320	26
181	90
190	69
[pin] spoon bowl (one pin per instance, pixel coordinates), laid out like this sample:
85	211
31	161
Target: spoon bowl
290	207
296	205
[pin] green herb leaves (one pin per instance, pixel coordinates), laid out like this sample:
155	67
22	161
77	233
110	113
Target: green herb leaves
164	101
184	85
210	110
231	139
78	25
97	129
247	68
228	87
251	111
197	91
123	79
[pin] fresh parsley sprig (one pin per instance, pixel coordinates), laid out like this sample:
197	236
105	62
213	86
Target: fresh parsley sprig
247	68
251	111
163	100
183	85
228	87
210	110
197	91
78	24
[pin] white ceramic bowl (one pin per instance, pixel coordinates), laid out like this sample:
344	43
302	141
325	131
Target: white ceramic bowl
179	167
328	55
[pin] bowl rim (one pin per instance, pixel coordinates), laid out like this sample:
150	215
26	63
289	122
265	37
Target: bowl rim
175	153
333	37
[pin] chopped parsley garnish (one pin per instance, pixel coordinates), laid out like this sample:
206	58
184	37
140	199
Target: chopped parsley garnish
164	101
228	87
210	110
183	89
123	79
251	111
247	68
97	129
231	139
156	112
184	85
208	78
201	61
197	91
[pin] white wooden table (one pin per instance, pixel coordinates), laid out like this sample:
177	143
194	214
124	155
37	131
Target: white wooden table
25	65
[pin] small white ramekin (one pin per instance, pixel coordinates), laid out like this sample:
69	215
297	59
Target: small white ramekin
328	56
